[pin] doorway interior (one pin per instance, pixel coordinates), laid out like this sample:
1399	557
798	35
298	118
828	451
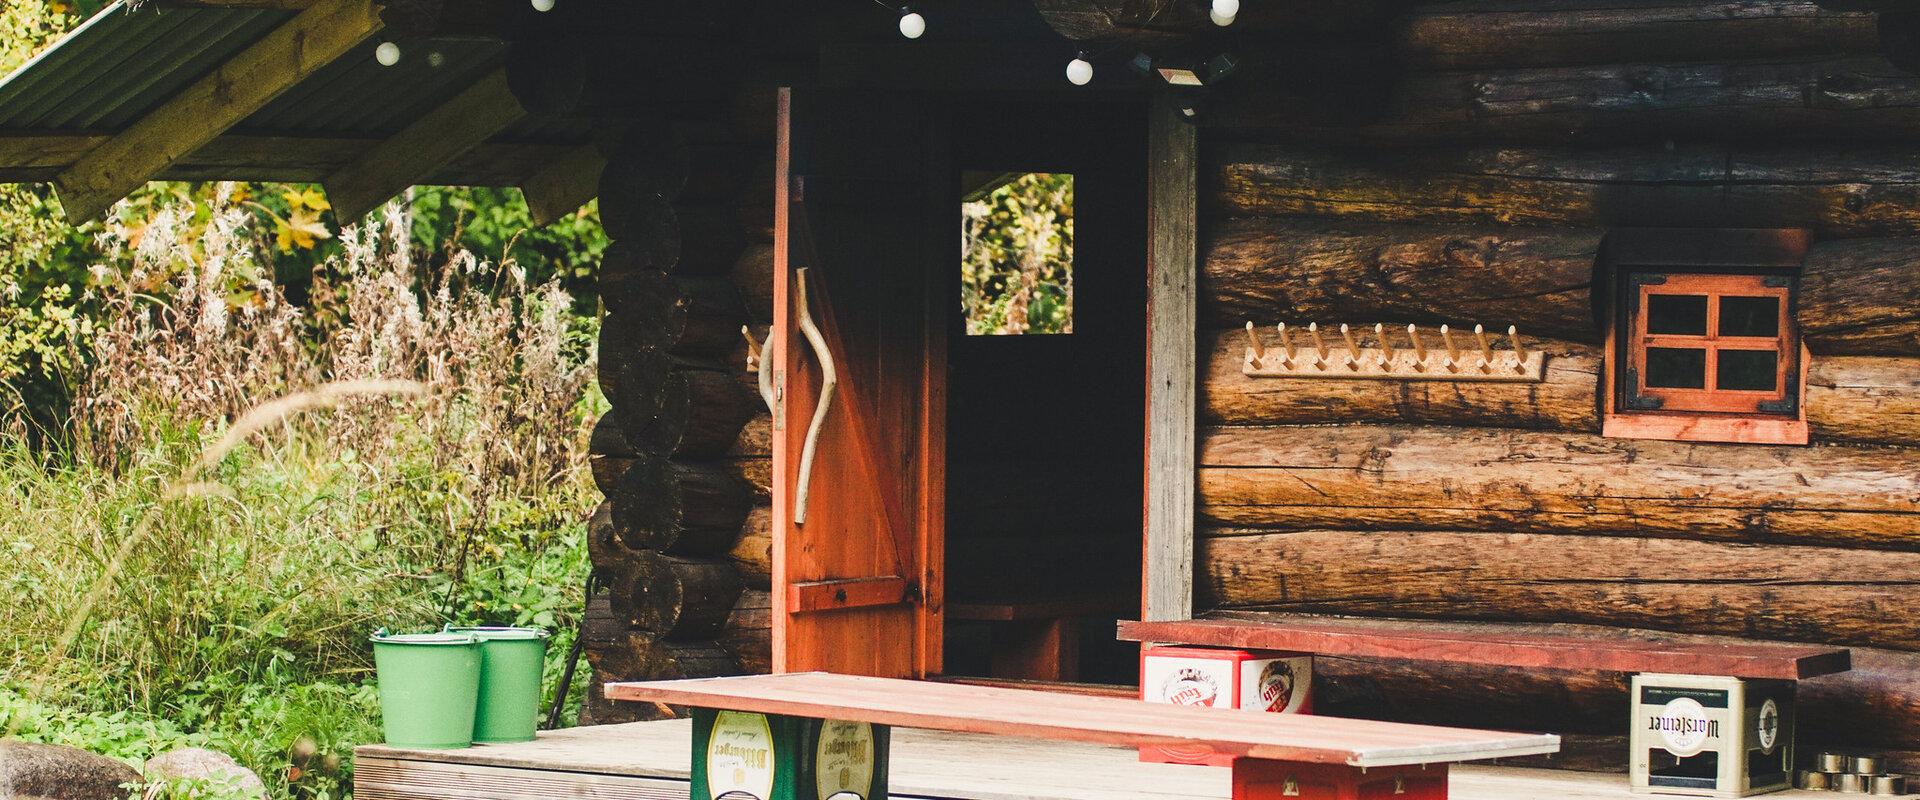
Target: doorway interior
1045	391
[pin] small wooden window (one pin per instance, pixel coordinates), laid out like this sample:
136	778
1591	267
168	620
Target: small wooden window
1703	344
1713	343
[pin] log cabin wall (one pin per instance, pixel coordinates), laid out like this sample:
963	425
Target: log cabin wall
1479	187
679	547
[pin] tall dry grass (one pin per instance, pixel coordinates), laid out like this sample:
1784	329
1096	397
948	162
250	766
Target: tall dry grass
252	490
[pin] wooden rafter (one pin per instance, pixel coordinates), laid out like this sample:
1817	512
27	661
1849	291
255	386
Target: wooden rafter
563	186
213	104
458	125
302	159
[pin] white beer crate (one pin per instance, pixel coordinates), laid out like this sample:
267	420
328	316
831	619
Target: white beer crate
1249	680
1709	736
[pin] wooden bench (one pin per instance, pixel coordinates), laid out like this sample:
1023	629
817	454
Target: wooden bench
1038	638
1753	683
815	736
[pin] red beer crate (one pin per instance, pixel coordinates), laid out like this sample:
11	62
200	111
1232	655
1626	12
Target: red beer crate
1250	680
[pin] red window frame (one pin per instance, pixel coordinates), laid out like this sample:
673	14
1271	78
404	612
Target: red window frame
1781	400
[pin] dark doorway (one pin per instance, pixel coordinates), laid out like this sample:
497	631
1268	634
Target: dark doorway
1045	430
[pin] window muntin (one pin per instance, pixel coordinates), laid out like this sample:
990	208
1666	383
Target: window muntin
1710	343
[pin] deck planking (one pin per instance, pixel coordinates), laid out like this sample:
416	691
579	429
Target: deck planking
650	761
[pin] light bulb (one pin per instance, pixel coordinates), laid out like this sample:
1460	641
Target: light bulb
543	5
1222	21
912	25
388	54
1226	8
1080	71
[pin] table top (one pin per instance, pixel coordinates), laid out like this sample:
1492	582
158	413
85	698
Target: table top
1472	643
1082	718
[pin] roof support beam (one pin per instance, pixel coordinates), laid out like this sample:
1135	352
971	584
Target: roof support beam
210	106
562	187
458	125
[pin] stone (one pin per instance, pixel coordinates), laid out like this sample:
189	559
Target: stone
56	772
198	763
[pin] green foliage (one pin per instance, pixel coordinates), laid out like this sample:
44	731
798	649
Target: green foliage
1016	268
495	224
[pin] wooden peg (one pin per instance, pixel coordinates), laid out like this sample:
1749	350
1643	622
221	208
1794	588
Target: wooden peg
1286	345
1253	345
1386	346
1453	352
1419	348
1486	350
1353	347
1519	350
753	350
1319	344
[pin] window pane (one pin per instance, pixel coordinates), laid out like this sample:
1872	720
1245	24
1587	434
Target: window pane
1750	316
1677	314
1016	252
1748	370
1676	368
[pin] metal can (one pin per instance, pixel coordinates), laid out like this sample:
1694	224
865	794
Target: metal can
1810	779
1833	762
1851	783
1890	784
1864	765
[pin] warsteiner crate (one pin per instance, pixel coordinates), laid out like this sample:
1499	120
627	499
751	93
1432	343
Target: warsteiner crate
1710	736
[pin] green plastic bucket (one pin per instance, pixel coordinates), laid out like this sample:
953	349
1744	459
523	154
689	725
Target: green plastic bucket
510	669
429	684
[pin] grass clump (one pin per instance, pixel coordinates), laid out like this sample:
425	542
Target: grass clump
201	561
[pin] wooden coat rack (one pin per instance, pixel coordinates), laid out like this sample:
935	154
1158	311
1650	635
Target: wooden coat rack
1348	360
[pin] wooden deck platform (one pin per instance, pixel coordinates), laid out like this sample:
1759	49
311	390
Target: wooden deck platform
649	760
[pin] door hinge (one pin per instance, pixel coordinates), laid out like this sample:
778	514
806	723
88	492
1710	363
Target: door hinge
779	399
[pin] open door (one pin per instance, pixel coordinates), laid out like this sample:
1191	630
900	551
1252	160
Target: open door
858	383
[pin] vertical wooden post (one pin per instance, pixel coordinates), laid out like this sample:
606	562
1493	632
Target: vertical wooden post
1167	554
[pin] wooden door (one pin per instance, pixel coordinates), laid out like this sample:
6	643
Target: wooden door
855	569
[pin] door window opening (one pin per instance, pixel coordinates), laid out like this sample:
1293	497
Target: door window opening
1016	253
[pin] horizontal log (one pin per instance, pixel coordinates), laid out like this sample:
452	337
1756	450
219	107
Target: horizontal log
752	553
755	472
692	316
1161	23
607	550
1268	270
678	598
1520	33
756	437
1875	706
673	506
1402	477
1859	296
1825	595
752	273
644	657
1865	399
1868	399
1852	97
749	633
1862	296
1837	193
661	157
1566	400
701	414
596	709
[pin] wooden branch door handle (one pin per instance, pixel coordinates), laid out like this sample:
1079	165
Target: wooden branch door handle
757	355
829	380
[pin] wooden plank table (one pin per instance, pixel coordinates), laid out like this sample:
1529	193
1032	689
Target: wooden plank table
651	761
791	720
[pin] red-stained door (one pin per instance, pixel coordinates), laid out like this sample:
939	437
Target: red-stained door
858	488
